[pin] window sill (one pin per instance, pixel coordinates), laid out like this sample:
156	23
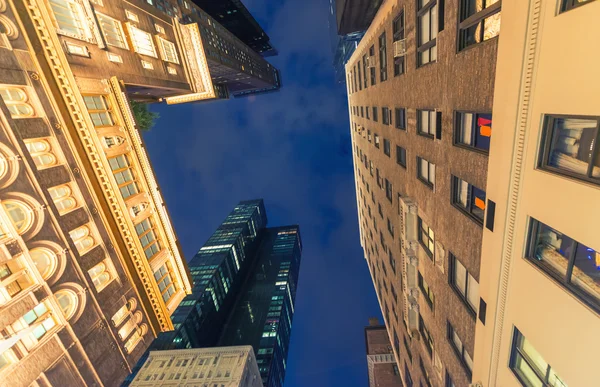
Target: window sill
468	215
471	148
480	44
569	175
427	135
420	66
471	311
428	184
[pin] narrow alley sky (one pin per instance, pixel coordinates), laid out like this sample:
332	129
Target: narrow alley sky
293	149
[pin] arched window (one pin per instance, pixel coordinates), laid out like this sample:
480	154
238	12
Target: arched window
63	199
123	312
111	141
67	299
45	261
133	341
20	214
130	325
82	239
102	274
17	102
41	153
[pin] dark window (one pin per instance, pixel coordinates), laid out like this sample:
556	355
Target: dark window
387	147
364	60
568	261
392	261
426	290
469	199
372	65
426	172
355	86
426	237
390	227
407	378
398	30
473	130
464	284
570	147
425	373
396	371
460	350
427	30
529	366
374	113
449	382
479	21
359	76
379	204
382	58
408	351
367	109
362	111
427	339
400	118
386	118
427	123
401	156
388	190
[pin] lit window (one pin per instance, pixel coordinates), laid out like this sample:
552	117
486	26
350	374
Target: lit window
7	358
63	198
133	341
67	300
147	65
159	29
426	238
168	50
426	290
142	41
479	21
102	274
17	102
99	110
114	57
13	281
172	70
131	16
460	349
41	153
77	49
147	236
113	31
165	283
82	239
41	322
473	130
529	366
44	260
426	172
427	123
468	198
123	173
427	30
70	18
20	215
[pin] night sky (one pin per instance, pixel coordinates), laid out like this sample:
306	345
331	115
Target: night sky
293	149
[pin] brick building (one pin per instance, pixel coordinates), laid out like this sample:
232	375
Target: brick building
420	90
90	267
383	371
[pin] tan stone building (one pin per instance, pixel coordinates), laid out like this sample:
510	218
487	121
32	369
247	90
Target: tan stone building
383	370
540	267
90	267
421	86
219	366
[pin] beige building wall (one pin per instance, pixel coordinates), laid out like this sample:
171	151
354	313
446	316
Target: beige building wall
547	64
220	366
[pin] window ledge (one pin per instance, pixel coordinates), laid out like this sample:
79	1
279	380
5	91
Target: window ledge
471	148
427	135
428	184
468	215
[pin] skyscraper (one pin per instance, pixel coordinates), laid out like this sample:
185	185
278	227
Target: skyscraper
245	279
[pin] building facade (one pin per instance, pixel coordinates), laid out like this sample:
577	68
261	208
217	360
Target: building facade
383	370
420	92
245	279
540	277
220	366
342	47
355	15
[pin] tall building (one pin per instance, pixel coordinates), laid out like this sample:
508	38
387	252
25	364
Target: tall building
342	47
220	366
245	279
540	271
420	86
234	16
383	370
355	15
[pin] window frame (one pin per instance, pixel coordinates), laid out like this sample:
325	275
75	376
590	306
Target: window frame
127	167
387	147
473	310
454	199
133	30
426	335
399	158
426	291
420	223
431	123
400	113
547	142
460	353
422	47
372	68
470	21
425	180
456	138
145	231
398	33
382	57
24	102
565	6
119	26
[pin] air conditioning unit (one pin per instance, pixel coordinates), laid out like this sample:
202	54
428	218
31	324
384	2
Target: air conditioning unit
370	61
399	48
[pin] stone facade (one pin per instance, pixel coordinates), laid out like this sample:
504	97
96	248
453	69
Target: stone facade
412	223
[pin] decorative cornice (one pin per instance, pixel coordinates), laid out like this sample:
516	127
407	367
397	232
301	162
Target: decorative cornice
65	81
198	66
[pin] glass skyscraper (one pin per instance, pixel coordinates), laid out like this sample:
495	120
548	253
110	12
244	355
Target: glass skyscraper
244	286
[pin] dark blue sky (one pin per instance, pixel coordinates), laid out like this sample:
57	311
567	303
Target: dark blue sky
293	149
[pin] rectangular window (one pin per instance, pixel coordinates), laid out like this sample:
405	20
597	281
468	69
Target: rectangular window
426	123
99	110
112	30
388	190
364	61
375	114
570	147
123	173
408	351
401	156
427	292
372	65
131	16
114	57
479	21
77	49
400	118
367	109
460	350
568	261
529	366
392	261
426	238
464	284
568	5
382	58
390	227
147	65
427	30
359	76
168	51
376	137
427	339
426	376
387	148
473	130
362	111
165	283
148	237
70	16
398	30
159	28
426	172
469	199
407	378
385	116
142	41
